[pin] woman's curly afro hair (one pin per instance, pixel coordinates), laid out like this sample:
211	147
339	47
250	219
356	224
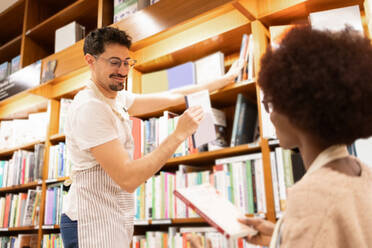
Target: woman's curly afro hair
322	81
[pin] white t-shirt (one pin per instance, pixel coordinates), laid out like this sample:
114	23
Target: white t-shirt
91	122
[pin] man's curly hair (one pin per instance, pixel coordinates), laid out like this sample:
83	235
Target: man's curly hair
96	40
322	81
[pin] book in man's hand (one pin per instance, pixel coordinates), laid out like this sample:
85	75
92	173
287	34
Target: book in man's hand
215	209
206	131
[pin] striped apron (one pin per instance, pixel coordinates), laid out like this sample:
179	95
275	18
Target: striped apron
105	211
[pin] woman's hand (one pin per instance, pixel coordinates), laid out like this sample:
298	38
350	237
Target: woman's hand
234	71
265	230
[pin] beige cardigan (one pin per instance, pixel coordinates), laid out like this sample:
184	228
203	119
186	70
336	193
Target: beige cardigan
329	209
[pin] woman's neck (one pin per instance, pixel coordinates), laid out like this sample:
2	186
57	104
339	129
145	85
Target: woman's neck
310	149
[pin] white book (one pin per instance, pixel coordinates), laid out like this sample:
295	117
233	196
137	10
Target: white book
337	19
268	129
216	210
206	131
209	68
274	178
239	158
68	35
363	149
281	179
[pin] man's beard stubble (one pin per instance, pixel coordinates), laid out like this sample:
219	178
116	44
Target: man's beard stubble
118	86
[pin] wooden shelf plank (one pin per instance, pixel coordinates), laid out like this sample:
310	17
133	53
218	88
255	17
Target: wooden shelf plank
56	180
220	98
18	229
83	11
221	33
203	157
166	17
28	146
188	220
16	188
11	22
10	49
57	138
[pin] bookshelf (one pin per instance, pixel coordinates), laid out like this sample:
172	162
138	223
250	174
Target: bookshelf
165	34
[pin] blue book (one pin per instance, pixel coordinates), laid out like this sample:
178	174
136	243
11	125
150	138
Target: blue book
16	64
181	75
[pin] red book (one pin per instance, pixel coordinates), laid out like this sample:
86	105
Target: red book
136	132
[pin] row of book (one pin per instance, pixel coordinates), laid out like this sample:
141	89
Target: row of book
239	179
176	238
17	132
20	241
24	167
20	209
124	8
8	68
59	165
53	240
53	204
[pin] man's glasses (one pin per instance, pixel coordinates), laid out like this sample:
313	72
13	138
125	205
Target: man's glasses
268	106
116	62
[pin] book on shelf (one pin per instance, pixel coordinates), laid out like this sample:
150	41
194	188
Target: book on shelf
181	76
53	240
363	149
209	68
337	19
4	70
123	9
206	131
23	79
268	129
277	33
63	110
16	64
245	121
154	82
220	125
68	35
216	210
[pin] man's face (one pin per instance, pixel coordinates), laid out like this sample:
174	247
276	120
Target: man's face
111	67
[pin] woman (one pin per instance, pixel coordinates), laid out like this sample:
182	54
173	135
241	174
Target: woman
318	92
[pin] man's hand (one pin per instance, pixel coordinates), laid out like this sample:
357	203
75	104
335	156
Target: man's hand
189	122
265	230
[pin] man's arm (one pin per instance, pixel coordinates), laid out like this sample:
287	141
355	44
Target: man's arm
129	174
149	103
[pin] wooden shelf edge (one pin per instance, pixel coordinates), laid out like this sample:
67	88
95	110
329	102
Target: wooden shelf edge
11	42
57	137
14	6
202	156
27	146
56	180
18	229
20	187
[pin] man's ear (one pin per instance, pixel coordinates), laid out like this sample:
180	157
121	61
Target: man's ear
89	59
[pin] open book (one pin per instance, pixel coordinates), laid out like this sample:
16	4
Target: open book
216	210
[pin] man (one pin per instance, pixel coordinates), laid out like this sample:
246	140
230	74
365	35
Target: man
99	210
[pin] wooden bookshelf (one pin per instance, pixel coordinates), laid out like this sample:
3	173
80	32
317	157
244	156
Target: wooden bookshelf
21	187
10	49
83	11
28	146
11	22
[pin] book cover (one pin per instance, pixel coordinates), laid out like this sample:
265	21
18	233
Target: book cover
337	19
206	131
209	67
16	65
181	75
210	205
154	82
